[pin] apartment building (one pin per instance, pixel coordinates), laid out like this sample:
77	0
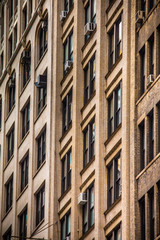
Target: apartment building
80	119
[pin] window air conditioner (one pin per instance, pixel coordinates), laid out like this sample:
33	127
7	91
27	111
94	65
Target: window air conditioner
82	198
24	56
68	238
67	65
150	79
41	81
89	27
140	16
63	15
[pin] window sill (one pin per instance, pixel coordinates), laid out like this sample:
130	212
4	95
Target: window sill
65	133
8	162
113	205
66	75
21	193
69	13
7	213
25	86
40	60
40	113
25	136
64	194
113	67
112	135
10	113
38	170
87	166
89	100
39	224
87	233
88	40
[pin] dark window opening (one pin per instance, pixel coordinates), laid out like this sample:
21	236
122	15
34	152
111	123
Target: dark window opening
40	203
23	225
41	145
43	37
142	146
66	171
142	71
9	194
10	138
24	173
25	120
67	111
66	226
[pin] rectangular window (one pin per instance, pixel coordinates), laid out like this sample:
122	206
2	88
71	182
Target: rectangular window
11	91
159	127
142	217
159	206
10	43
0	112
68	52
26	66
40	202
10	7
143	5
23	225
142	146
42	94
151	55
67	5
66	226
67	111
115	42
114	180
66	171
9	194
1	63
41	145
24	17
88	209
89	143
114	110
30	9
142	70
151	136
25	119
90	14
115	234
7	235
15	37
24	172
43	37
10	139
89	79
151	4
151	213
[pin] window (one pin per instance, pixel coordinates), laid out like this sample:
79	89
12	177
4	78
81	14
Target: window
23	225
142	217
68	52
151	55
10	46
89	79
115	234
158	50
142	71
159	206
90	14
114	180
159	127
15	37
11	91
24	17
115	43
114	110
67	5
66	226
41	144
89	143
25	119
26	66
151	136
43	37
42	93
9	194
2	23
10	7
67	111
40	202
1	63
66	171
142	146
0	112
143	5
30	9
24	173
151	213
151	4
88	209
10	139
7	235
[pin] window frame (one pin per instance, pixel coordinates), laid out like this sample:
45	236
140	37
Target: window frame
43	37
68	50
142	216
24	167
64	220
25	119
113	234
66	171
9	193
142	145
67	111
142	70
1	112
151	213
151	135
40	205
42	96
10	144
23	224
26	68
151	54
8	233
68	4
12	92
41	148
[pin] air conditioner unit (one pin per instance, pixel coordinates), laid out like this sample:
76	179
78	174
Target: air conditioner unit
41	81
89	27
63	15
68	238
24	57
68	65
150	79
140	15
82	198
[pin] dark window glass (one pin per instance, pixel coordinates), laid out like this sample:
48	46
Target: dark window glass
152	214
7	235
2	23
114	180
67	111
10	52
88	210
24	17
159	127
151	55
142	217
10	138
41	142
66	226
11	89
25	119
114	110
67	5
151	136
89	79
159	206
40	202
89	143
115	234
90	14
10	7
142	146
23	225
26	66
0	112
24	172
151	4
42	95
43	37
142	71
66	171
68	51
143	5
9	194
